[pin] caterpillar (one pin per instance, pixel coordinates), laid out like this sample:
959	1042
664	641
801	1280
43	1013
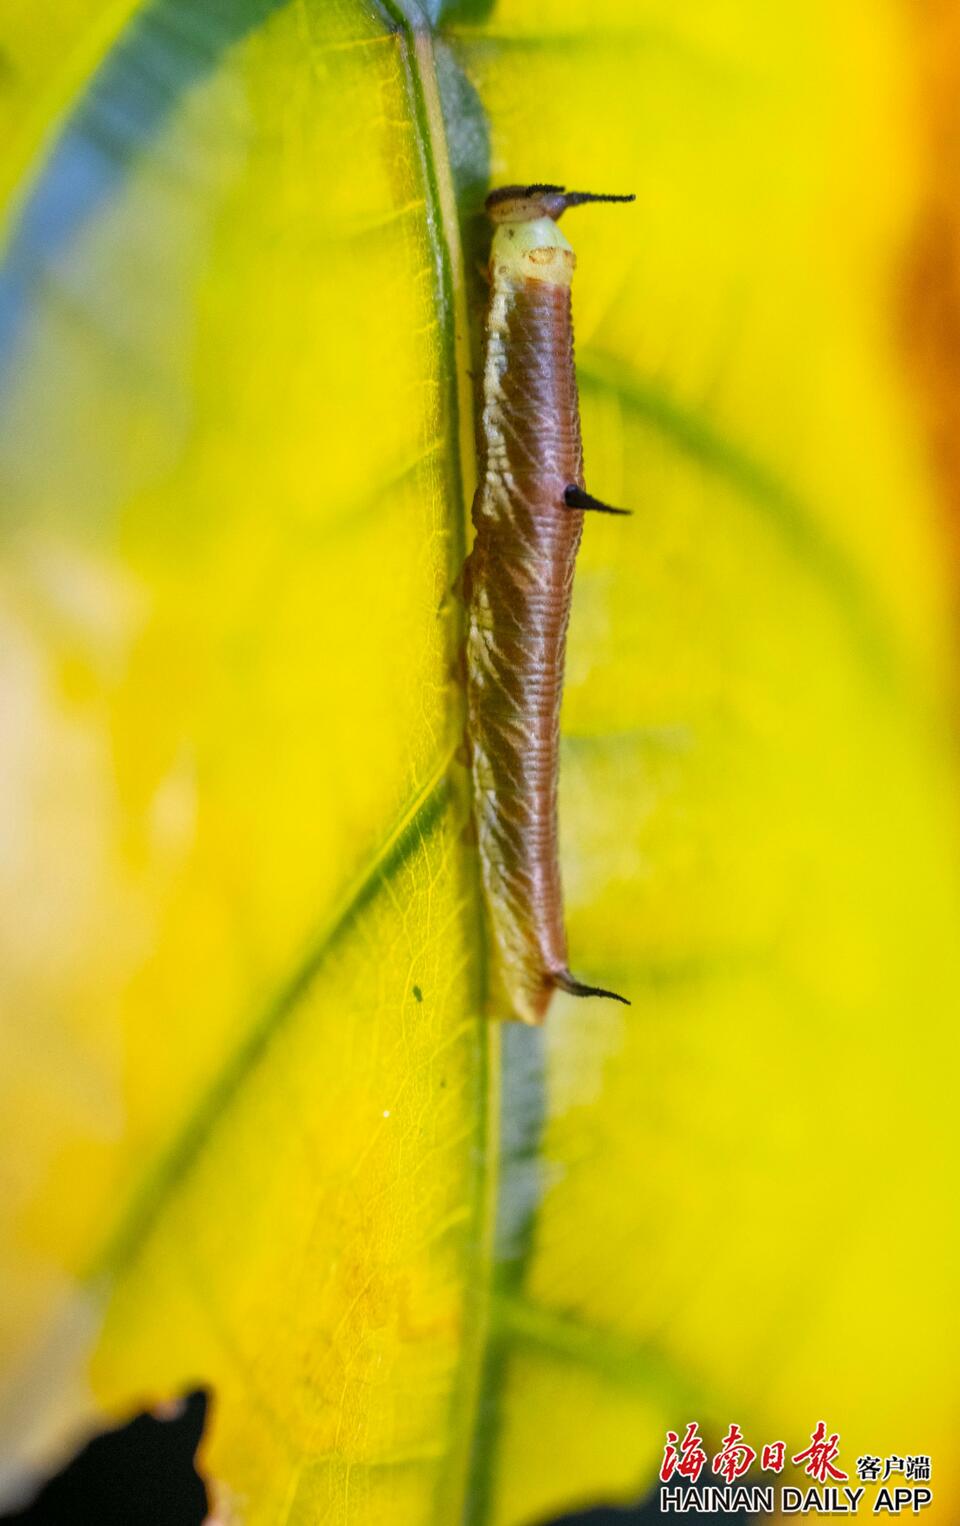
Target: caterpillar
518	580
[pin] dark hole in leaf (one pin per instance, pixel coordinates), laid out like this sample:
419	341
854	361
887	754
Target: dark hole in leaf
141	1474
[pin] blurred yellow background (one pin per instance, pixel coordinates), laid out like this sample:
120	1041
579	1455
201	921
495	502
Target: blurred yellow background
255	1126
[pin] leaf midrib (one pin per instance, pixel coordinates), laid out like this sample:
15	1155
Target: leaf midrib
452	1489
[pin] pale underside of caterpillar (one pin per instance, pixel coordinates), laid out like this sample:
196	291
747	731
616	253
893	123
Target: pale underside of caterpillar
528	517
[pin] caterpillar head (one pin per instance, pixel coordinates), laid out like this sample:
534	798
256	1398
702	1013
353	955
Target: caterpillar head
527	244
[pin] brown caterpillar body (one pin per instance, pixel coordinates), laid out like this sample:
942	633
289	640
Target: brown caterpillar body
528	516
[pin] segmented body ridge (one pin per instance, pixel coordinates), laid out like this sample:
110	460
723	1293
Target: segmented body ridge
520	580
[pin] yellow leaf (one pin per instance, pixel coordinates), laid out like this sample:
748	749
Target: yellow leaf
249	1098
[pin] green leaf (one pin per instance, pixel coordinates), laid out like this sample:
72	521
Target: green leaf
252	1120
